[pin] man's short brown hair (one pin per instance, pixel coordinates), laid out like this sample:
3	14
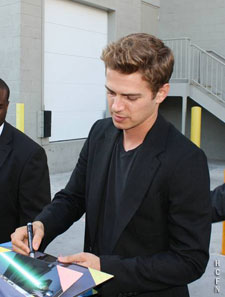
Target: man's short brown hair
143	53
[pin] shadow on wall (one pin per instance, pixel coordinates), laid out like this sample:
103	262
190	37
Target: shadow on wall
213	130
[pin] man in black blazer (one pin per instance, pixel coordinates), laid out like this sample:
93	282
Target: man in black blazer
143	186
218	203
24	176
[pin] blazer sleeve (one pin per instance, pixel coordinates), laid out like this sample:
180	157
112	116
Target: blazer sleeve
34	189
189	227
218	203
68	204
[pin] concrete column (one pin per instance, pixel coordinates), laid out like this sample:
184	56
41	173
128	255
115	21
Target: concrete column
184	114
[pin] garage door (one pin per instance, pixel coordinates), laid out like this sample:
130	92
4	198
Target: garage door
74	35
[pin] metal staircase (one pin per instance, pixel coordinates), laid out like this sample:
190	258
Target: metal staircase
198	74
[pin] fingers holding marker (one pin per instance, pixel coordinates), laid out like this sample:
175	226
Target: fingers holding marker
19	238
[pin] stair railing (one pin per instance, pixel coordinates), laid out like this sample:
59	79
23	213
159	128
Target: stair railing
181	51
208	72
198	67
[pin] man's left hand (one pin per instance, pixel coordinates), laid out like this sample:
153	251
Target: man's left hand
84	259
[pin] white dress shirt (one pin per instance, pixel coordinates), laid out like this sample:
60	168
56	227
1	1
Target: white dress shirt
1	128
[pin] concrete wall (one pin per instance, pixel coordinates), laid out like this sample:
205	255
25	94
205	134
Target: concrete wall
10	50
21	60
31	64
21	57
203	21
212	136
128	16
213	130
171	109
124	17
150	17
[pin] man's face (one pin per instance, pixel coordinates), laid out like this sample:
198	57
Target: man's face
131	101
3	106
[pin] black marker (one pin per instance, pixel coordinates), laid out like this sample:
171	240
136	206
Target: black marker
30	239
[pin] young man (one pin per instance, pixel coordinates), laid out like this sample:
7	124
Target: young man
143	185
24	176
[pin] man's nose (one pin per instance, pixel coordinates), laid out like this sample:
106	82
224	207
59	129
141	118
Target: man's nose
118	103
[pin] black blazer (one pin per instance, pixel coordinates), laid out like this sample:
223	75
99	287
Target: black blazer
24	180
218	203
164	221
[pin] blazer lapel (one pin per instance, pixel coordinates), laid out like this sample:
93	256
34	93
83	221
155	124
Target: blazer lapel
102	157
5	147
4	152
143	172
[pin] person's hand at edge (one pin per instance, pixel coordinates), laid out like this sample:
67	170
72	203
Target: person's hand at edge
84	259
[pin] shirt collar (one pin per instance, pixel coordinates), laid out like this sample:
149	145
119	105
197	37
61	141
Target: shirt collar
1	128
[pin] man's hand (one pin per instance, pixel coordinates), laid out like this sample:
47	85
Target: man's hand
84	259
20	239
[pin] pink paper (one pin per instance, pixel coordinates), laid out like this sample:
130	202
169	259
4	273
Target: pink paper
67	277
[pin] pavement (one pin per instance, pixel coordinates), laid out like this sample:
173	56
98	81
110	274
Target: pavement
211	284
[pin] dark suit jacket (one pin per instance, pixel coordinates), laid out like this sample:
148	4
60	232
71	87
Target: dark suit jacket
218	203
164	220
24	180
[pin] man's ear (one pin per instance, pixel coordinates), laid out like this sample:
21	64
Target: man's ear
162	93
7	104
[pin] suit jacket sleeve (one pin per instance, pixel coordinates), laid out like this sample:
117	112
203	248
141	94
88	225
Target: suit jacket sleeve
68	204
218	203
34	190
189	229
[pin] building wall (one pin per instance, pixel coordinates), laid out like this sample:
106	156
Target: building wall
203	21
10	51
150	17
212	133
171	109
31	64
21	60
212	129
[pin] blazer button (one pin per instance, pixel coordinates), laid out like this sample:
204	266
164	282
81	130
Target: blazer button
90	248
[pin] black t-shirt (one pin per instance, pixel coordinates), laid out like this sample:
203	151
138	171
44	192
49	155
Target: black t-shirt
119	170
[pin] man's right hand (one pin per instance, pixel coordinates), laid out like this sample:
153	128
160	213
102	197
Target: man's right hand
19	238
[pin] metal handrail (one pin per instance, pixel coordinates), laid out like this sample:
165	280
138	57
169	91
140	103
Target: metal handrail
216	54
197	66
181	50
206	52
177	38
208	72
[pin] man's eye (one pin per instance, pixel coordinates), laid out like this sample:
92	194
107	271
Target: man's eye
110	93
132	98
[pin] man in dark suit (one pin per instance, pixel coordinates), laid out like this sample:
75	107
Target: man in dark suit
218	203
24	176
143	185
